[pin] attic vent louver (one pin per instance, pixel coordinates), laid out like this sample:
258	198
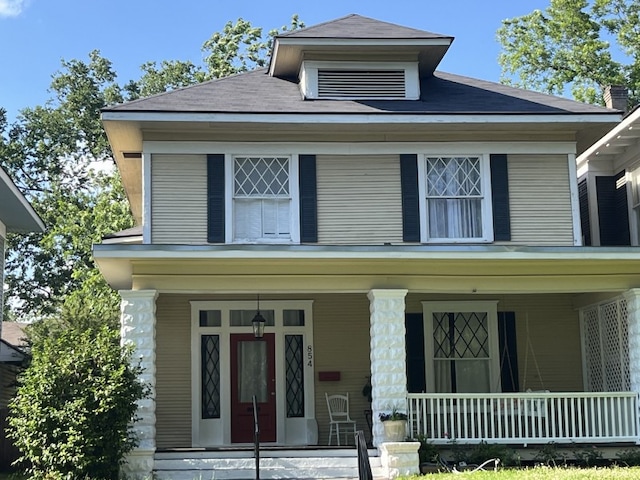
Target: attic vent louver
361	84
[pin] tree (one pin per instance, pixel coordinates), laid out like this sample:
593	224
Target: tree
579	45
59	156
239	47
72	412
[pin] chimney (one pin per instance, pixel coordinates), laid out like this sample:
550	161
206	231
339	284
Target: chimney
616	97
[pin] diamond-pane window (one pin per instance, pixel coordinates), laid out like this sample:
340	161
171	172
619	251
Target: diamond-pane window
454	197
261	198
295	375
210	355
461	351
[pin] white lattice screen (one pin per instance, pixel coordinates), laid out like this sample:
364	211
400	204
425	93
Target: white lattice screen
605	337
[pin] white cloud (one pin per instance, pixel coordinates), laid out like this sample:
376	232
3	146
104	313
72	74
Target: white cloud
12	8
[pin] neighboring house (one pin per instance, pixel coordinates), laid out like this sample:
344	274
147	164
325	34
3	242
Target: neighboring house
609	182
395	221
13	353
16	216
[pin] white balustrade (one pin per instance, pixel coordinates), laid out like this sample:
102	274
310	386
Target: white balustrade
523	418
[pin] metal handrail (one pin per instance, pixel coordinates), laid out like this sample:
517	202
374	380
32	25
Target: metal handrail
256	437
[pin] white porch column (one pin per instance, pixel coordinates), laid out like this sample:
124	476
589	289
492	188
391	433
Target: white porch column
633	314
388	355
138	328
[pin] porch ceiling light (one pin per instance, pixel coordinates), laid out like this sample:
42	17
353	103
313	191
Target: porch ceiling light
258	322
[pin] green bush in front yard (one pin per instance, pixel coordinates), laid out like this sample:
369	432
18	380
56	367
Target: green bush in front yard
71	415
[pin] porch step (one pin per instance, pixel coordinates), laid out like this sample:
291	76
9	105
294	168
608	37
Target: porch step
281	465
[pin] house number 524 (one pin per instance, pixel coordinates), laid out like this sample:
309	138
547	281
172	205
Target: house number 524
309	356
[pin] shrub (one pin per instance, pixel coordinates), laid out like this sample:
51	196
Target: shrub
71	415
427	452
551	454
630	457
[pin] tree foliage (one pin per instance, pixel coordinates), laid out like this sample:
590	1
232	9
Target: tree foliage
59	156
579	45
238	47
71	416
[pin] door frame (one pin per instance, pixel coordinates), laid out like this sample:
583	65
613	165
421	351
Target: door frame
217	432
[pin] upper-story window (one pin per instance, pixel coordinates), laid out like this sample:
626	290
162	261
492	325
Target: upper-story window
261	198
456	197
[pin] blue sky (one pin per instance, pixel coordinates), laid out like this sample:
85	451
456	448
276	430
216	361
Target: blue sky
36	34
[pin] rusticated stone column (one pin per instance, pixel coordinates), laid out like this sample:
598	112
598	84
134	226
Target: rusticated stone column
633	315
400	459
138	328
388	355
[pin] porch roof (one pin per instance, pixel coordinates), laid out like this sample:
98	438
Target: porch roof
461	269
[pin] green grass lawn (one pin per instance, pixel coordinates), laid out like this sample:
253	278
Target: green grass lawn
541	473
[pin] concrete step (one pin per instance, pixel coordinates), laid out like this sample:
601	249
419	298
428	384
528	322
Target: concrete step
301	468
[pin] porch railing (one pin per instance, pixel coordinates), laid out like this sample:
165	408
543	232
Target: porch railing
523	418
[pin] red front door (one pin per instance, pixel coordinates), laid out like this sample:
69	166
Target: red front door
253	373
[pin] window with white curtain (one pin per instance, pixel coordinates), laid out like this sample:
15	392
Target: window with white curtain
461	347
457	203
261	198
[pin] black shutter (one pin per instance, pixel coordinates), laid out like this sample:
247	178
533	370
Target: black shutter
585	220
613	212
508	351
215	198
410	198
308	199
500	197
416	380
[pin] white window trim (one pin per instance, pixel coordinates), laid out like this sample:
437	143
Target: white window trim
294	192
486	208
488	306
286	427
309	77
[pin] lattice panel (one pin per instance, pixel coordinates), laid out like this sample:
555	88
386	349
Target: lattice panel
295	375
261	177
593	360
453	177
606	339
210	351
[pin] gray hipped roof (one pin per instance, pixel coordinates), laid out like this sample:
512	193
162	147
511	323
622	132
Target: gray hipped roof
442	93
357	26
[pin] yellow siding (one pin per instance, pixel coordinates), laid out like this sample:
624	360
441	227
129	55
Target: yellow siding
359	199
540	201
548	337
341	338
173	371
179	199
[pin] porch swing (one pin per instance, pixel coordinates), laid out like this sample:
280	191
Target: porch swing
534	407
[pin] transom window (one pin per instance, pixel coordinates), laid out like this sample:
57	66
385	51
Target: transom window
456	198
261	198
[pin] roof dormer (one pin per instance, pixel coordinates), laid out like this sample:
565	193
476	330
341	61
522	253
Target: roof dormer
359	80
357	44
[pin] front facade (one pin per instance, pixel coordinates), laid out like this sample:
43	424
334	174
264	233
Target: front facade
393	224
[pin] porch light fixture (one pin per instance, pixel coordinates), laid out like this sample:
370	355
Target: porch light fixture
258	322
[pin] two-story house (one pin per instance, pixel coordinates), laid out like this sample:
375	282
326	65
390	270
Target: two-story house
387	220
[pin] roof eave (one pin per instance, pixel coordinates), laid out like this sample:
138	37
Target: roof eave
17	214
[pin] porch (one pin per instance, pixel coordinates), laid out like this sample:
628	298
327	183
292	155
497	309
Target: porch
525	418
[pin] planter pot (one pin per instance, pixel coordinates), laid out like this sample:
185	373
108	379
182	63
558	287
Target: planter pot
395	430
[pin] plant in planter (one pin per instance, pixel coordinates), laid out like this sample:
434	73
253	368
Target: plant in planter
395	425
